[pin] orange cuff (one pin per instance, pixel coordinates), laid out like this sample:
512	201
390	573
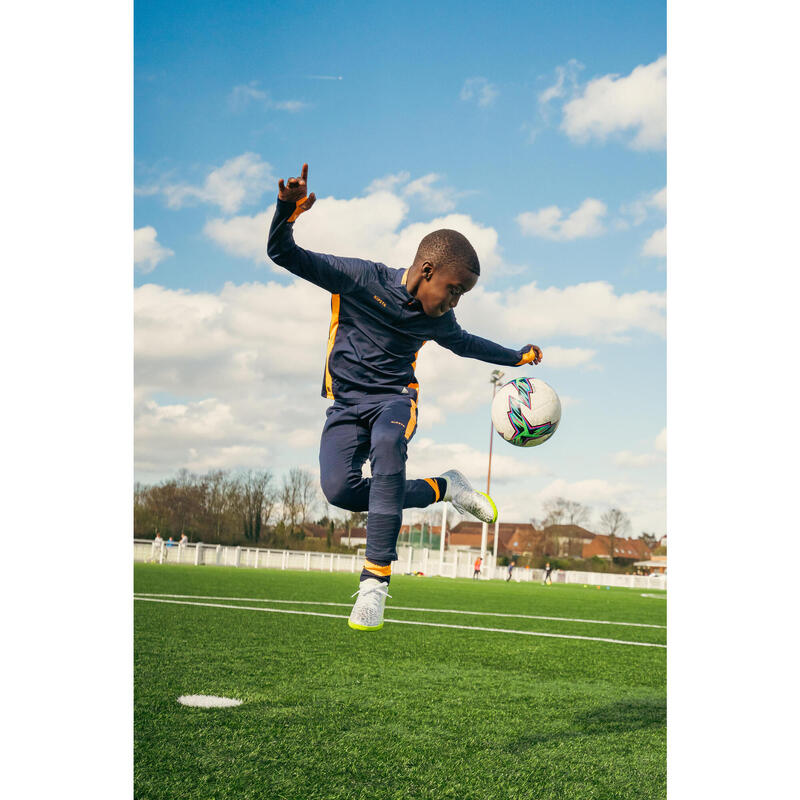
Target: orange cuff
298	209
376	569
526	358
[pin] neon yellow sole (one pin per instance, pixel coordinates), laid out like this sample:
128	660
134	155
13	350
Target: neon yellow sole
364	627
494	507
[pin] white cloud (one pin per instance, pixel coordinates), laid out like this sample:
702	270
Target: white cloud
239	181
147	251
566	82
638	211
366	227
428	457
480	90
656	244
610	104
437	199
550	222
247	94
626	458
589	309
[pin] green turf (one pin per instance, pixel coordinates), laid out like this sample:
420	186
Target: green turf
407	712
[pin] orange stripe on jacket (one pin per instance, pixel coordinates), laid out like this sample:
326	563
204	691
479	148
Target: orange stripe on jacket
376	569
331	339
412	420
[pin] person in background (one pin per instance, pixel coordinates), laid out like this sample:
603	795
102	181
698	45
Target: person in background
510	570
158	543
477	565
548	571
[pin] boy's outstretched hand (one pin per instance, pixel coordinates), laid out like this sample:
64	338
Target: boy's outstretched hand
532	354
295	191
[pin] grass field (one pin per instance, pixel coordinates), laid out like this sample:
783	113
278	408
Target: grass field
411	711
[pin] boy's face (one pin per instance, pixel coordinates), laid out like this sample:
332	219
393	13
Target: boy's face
441	287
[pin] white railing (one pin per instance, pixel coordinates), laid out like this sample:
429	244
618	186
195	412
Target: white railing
456	563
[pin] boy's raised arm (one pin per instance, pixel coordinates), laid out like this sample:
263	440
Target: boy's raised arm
456	339
337	275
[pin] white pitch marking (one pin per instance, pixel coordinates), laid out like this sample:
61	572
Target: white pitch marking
655	596
401	621
208	701
401	608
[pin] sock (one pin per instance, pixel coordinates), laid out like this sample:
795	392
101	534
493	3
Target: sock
380	572
438	486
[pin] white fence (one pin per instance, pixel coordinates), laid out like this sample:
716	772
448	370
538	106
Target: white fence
456	563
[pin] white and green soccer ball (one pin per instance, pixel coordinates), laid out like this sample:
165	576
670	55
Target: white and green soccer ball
526	411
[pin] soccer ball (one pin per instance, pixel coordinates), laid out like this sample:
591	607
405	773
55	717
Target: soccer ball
526	412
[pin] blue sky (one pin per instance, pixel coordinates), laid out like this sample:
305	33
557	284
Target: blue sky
539	127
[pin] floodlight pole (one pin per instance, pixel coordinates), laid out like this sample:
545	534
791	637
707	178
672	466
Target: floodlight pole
494	379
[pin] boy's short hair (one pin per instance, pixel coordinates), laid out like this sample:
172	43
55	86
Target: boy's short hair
446	247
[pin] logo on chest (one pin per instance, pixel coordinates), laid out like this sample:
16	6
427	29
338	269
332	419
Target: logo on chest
382	302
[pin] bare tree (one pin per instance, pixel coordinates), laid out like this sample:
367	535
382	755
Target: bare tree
219	501
650	540
299	496
256	500
613	523
560	511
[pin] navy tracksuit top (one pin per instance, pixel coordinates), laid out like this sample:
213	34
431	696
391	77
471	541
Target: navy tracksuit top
377	327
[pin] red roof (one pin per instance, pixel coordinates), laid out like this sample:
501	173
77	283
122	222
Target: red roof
623	548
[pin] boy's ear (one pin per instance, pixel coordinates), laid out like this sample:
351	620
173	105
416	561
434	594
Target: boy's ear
427	270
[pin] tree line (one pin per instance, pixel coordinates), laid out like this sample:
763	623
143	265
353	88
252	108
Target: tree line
223	507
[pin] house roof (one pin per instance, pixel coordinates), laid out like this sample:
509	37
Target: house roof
623	548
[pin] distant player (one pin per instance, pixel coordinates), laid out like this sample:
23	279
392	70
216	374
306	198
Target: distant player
477	566
380	319
155	550
548	571
510	570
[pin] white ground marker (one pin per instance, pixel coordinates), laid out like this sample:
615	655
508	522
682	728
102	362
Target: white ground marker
400	621
402	608
208	701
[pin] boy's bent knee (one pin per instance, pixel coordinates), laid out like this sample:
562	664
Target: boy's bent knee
338	493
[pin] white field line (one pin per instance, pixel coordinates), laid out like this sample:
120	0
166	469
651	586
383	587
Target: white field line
400	621
400	608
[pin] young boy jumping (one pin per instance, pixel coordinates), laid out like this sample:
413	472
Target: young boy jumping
380	318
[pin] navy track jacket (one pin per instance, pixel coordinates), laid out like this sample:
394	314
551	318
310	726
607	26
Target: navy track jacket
377	326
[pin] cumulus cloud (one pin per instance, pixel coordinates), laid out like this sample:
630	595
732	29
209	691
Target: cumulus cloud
233	363
248	94
640	209
239	181
626	458
367	227
479	90
591	309
634	104
656	244
148	252
551	223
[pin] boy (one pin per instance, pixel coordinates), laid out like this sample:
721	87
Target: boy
380	318
477	569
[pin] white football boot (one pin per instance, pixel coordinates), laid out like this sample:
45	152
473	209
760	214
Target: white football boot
367	613
467	500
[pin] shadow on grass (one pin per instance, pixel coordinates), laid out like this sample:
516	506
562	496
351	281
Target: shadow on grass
635	714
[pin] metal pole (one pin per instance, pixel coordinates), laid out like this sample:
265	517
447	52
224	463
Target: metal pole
441	541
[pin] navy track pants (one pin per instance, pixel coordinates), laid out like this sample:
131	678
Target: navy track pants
380	431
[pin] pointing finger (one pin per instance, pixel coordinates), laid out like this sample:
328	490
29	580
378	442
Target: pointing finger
304	172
